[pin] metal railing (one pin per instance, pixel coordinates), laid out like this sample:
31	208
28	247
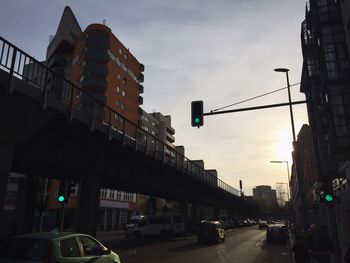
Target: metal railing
64	96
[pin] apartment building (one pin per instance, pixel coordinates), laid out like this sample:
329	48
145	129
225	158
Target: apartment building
265	196
95	60
98	62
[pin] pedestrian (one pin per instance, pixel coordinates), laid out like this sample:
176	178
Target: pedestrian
300	251
319	244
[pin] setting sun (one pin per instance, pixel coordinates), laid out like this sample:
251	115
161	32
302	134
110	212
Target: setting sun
283	148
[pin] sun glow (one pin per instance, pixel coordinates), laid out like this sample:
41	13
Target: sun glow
283	148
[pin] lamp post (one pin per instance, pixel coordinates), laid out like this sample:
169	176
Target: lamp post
288	188
285	70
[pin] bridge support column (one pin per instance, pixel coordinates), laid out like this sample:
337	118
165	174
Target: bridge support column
25	206
6	154
88	205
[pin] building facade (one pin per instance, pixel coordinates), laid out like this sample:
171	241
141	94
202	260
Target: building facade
326	84
96	61
265	196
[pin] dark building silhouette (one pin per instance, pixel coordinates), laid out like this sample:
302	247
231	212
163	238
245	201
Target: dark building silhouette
326	82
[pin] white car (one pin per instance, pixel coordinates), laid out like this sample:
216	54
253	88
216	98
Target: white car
56	247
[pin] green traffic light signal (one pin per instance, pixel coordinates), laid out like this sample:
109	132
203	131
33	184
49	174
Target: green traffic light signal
60	198
197	113
328	197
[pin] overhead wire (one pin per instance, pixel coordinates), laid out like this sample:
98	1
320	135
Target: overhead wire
256	97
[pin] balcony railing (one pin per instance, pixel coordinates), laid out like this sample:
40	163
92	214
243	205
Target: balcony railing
63	96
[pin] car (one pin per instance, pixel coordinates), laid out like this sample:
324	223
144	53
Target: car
263	225
276	233
55	247
210	231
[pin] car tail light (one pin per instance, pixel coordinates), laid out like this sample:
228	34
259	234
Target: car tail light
48	256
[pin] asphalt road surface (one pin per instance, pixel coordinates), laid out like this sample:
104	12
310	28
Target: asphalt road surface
246	245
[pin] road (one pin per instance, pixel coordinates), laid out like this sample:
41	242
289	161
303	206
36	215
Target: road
245	245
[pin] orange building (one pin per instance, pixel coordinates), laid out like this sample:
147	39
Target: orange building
96	61
100	64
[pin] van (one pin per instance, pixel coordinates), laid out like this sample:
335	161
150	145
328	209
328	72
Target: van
157	225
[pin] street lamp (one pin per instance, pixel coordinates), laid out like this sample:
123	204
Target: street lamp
288	188
285	70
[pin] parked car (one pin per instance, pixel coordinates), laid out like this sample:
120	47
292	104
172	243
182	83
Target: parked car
263	225
210	231
276	233
55	247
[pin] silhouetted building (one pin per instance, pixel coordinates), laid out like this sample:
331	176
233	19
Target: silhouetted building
326	84
265	196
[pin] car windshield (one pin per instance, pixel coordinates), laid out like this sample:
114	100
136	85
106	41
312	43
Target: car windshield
32	249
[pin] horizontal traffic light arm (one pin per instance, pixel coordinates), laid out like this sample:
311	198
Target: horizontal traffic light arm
255	108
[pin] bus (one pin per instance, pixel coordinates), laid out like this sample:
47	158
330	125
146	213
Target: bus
157	225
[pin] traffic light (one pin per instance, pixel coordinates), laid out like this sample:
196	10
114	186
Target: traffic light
197	113
328	198
62	192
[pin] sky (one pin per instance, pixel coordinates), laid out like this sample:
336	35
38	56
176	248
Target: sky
221	52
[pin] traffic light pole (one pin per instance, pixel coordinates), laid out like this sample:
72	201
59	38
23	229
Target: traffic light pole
255	108
62	217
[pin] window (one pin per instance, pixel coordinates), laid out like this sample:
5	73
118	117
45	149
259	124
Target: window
69	248
103	193
120	51
122	105
118	76
123	93
90	247
111	194
118	89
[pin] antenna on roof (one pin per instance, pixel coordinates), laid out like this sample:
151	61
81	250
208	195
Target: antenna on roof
104	21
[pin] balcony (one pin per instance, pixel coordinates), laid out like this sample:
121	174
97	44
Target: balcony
170	138
142	67
140	89
170	130
98	43
94	84
140	100
141	78
95	69
96	55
